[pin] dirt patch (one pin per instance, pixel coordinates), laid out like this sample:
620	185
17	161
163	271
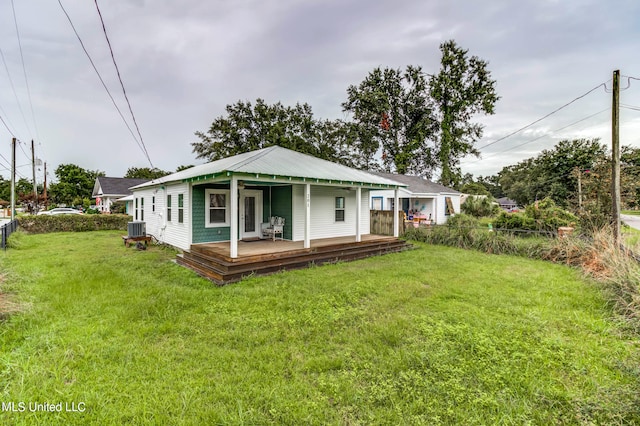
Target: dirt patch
7	306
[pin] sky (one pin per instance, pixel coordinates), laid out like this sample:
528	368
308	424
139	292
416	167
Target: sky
182	62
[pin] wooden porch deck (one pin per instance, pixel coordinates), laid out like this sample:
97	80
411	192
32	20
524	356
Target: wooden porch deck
213	261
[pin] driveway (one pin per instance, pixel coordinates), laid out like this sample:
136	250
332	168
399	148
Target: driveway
632	221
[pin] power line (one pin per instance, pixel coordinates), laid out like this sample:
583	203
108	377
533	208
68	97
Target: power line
7	127
6	67
540	137
542	118
113	58
99	76
24	70
635	108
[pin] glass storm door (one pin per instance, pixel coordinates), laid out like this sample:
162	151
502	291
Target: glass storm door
250	213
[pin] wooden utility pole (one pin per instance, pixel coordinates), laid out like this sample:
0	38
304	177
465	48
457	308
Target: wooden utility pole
45	186
579	175
615	157
13	178
33	169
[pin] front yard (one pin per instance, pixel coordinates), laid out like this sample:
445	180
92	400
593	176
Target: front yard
436	335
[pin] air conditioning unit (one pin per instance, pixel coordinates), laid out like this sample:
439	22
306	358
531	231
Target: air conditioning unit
137	229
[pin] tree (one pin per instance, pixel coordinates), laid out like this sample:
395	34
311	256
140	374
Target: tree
145	173
248	127
184	167
394	114
461	89
552	173
74	186
474	188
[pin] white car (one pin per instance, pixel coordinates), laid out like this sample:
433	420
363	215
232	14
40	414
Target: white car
61	210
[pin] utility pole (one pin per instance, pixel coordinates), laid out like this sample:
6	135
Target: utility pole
615	157
579	173
13	178
45	185
33	169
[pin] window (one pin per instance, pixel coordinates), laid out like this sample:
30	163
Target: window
169	208
339	209
142	208
180	208
136	211
217	207
376	203
153	203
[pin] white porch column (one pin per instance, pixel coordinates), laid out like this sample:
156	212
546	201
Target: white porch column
396	211
358	214
233	199
307	215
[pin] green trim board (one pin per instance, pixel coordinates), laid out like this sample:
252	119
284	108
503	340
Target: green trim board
262	178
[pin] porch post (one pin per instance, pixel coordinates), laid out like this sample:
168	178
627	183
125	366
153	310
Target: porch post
233	199
396	210
358	213
307	215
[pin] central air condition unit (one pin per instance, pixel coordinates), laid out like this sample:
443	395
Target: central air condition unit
137	229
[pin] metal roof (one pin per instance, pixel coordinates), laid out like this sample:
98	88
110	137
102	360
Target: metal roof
277	162
418	184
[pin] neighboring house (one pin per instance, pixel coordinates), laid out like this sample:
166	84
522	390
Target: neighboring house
430	200
108	190
507	204
230	199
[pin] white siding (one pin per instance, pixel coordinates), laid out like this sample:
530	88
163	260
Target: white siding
323	224
169	232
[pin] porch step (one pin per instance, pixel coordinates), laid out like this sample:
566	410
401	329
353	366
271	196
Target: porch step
222	270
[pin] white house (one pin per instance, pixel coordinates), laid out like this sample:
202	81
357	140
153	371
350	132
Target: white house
229	199
107	190
420	196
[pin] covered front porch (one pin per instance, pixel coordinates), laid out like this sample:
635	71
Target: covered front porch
215	261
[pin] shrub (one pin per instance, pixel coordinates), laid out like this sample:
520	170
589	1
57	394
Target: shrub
463	221
544	216
480	206
73	223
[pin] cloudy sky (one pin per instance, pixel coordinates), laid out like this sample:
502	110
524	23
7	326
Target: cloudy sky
183	61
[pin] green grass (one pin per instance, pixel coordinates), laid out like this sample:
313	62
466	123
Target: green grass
631	212
436	335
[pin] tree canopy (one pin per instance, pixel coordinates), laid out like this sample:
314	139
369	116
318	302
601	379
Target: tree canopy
247	127
461	89
145	173
74	186
394	114
401	121
553	173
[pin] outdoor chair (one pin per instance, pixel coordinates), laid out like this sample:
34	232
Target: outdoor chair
274	227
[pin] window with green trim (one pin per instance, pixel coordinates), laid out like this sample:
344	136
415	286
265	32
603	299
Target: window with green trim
180	208
168	207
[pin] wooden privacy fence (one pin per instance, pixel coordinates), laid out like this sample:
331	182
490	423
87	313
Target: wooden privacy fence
381	222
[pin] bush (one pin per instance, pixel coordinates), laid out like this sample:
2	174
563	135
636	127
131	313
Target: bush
480	206
463	221
73	223
544	216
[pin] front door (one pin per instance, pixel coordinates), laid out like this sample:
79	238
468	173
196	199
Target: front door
250	213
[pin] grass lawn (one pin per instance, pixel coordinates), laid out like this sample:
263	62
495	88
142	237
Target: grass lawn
631	212
436	335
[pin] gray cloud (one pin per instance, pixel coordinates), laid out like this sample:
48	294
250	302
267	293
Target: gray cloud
182	62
